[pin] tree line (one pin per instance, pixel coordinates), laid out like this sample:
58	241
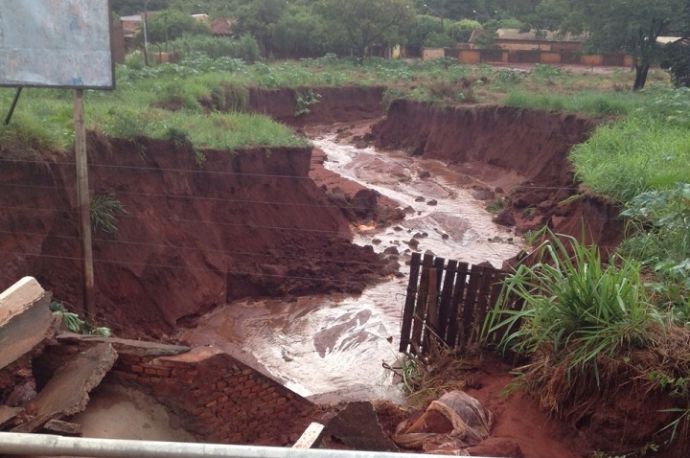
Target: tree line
310	28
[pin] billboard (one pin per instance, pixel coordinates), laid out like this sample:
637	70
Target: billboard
56	43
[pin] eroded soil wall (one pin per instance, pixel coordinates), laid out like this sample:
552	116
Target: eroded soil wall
335	105
195	236
529	146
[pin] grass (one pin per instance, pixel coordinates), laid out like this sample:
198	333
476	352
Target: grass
104	211
648	150
145	96
587	102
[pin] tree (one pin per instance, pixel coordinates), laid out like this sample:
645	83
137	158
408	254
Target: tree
630	26
300	33
259	18
171	24
461	31
369	23
423	26
127	7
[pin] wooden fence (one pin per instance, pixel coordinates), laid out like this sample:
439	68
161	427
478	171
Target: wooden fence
447	301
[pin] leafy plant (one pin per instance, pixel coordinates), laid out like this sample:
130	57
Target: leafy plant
104	211
75	324
304	101
497	206
574	307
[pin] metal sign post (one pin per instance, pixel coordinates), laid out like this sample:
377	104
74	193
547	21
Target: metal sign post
84	203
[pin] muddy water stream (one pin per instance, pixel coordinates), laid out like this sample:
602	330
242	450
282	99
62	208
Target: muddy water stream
335	345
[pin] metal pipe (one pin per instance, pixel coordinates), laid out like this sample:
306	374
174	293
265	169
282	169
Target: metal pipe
45	445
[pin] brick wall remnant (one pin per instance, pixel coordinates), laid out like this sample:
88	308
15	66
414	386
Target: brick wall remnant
220	399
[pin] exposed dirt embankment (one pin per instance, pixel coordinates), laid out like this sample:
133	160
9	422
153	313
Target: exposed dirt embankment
522	153
243	224
335	104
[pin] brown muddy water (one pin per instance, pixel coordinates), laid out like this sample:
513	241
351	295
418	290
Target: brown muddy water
333	347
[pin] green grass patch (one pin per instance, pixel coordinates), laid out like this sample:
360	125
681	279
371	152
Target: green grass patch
648	150
590	103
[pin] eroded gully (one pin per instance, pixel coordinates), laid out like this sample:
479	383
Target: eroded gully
333	346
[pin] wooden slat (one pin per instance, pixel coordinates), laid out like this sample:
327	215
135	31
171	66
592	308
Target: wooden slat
446	299
432	309
457	304
483	295
410	301
420	309
493	299
434	292
310	437
469	305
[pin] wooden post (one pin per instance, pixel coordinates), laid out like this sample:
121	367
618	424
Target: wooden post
84	202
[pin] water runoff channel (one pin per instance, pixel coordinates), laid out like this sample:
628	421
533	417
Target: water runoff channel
333	347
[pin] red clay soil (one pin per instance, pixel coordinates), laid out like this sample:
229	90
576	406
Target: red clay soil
519	151
518	418
336	104
244	234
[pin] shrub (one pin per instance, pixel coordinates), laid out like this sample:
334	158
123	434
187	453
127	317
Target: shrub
304	101
461	31
171	24
245	48
574	307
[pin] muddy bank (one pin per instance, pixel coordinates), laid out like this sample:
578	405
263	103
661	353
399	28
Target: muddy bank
335	104
194	236
520	155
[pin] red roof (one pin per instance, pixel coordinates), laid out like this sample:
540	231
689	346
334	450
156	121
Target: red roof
221	26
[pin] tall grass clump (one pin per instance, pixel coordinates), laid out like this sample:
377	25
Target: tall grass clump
575	308
104	212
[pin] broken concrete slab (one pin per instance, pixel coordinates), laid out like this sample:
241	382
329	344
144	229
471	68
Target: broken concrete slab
67	393
25	320
127	346
19	298
8	413
357	427
64	428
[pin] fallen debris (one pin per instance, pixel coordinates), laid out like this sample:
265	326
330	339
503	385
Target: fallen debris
310	437
64	428
25	320
357	428
452	424
67	393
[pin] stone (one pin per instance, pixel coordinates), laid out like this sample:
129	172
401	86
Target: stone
505	218
420	199
391	250
432	203
484	194
424	174
358	428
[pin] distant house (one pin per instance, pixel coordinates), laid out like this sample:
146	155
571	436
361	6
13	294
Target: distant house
668	40
535	40
131	25
221	27
201	18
